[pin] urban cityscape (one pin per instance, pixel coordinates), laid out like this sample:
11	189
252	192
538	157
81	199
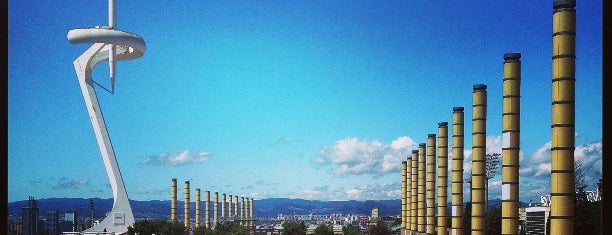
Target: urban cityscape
305	118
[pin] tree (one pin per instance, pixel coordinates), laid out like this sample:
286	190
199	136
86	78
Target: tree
351	230
230	228
396	222
147	227
467	218
203	230
324	230
493	222
173	228
380	228
293	228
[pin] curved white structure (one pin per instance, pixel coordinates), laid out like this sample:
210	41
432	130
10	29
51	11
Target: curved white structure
112	45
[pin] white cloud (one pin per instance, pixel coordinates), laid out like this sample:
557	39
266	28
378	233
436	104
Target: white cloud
65	183
351	156
364	192
176	159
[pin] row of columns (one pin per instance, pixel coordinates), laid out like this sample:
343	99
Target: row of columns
418	195
239	209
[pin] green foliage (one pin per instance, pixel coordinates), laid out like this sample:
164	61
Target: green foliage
351	230
493	222
396	222
230	228
172	228
380	228
293	228
324	230
147	227
203	230
467	218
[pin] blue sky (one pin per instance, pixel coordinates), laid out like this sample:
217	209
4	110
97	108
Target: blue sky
310	99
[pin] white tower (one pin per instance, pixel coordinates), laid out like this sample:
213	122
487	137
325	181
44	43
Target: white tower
113	45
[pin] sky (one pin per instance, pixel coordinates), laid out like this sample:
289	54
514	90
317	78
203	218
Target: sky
317	100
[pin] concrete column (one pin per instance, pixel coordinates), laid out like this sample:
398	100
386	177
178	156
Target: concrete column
236	209
252	221
404	208
431	184
479	147
229	207
207	212
187	222
173	201
242	211
413	190
562	193
511	143
421	212
457	173
408	192
216	209
223	201
197	218
442	177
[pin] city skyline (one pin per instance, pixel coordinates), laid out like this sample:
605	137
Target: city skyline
313	100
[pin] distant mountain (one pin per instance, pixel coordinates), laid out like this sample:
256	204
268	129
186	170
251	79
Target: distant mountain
157	209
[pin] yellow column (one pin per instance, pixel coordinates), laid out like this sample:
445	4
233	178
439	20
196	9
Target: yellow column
229	207
242	211
510	143
223	201
207	212
457	173
404	207
197	218
408	193
479	133
216	209
252	222
431	184
173	201
414	191
236	209
562	188
442	177
187	222
421	190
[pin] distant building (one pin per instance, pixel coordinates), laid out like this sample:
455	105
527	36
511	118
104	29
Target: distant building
70	222
375	214
52	225
29	217
536	219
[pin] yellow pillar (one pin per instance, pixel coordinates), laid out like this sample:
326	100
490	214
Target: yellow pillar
236	209
229	207
479	146
242	210
252	221
404	207
457	173
562	188
216	209
511	143
442	177
223	202
421	190
187	205
207	212
431	184
197	218
414	191
408	193
173	201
